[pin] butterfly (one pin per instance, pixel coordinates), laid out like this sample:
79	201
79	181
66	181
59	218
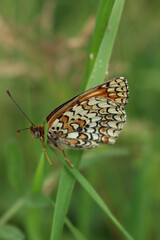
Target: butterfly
93	117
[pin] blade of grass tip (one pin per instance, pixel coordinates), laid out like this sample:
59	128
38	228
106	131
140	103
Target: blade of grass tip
95	196
67	181
103	14
106	46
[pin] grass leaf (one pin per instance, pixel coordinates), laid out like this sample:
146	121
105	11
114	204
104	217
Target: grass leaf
76	233
65	189
103	15
39	175
12	210
102	51
95	196
105	48
10	232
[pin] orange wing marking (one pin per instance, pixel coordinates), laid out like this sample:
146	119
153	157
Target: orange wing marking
105	139
74	141
82	136
68	126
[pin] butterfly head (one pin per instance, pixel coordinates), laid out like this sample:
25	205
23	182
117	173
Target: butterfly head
37	131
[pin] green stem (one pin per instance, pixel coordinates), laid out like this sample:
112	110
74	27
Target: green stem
12	210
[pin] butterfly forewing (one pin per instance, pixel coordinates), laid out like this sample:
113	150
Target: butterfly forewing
96	116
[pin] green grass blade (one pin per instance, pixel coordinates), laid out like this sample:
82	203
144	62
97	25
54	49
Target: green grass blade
40	171
12	210
33	215
76	233
97	76
103	15
95	196
103	56
11	232
39	175
65	189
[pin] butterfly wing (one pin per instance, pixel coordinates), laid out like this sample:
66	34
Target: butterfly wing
93	117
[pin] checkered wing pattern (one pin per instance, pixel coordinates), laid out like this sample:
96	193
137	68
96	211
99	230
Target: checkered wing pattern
92	118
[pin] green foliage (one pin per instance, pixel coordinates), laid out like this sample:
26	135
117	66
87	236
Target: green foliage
39	176
9	232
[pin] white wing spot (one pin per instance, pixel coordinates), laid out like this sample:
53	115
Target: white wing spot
75	125
90	130
112	124
95	136
96	119
73	135
92	101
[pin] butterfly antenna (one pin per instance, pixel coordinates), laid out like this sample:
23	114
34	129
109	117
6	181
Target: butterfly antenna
19	109
22	130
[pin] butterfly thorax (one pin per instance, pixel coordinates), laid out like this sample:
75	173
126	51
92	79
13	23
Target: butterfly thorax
37	131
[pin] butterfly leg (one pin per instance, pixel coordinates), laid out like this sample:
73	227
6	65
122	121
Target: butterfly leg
45	151
65	156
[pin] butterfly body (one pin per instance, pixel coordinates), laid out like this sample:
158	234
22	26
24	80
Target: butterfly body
94	117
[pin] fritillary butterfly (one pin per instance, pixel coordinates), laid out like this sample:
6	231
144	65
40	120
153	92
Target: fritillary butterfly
94	117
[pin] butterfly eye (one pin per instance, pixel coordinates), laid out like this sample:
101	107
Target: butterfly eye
37	133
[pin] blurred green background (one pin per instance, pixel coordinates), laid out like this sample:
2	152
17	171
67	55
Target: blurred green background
44	46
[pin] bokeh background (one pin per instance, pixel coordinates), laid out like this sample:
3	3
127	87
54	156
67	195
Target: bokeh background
44	46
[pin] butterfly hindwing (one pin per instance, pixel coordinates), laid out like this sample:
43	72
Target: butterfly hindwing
93	117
